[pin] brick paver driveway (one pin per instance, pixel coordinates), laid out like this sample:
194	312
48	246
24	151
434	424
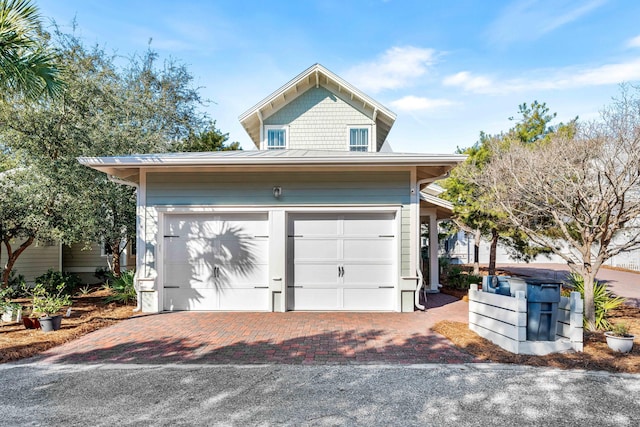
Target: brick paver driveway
293	337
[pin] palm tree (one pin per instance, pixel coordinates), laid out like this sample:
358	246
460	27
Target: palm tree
27	66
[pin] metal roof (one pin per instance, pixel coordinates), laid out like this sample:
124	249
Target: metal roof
430	165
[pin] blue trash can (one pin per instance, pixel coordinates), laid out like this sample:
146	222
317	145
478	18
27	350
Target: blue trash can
542	310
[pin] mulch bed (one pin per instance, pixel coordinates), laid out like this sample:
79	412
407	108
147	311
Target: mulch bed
88	313
596	356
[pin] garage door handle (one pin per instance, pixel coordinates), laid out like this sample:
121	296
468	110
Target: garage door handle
340	271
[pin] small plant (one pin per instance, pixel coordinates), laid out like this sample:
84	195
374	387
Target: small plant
123	289
84	290
104	275
620	329
48	303
603	301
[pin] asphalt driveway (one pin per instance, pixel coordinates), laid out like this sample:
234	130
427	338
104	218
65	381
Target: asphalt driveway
256	338
327	395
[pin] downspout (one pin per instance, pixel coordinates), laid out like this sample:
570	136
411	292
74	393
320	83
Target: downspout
420	281
135	276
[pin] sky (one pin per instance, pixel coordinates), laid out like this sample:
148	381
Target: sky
448	69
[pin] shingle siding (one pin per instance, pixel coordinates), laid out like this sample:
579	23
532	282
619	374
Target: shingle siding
319	120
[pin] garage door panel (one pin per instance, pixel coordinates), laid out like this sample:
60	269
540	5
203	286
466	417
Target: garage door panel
314	226
369	249
189	276
316	299
240	252
371	275
368	299
309	274
244	299
243	276
315	249
368	225
189	299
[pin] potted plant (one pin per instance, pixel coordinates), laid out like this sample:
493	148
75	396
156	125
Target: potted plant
48	304
619	339
11	311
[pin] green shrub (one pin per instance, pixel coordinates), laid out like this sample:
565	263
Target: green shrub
15	288
458	278
602	299
122	288
52	279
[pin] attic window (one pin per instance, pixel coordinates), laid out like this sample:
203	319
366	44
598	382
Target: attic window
359	139
276	139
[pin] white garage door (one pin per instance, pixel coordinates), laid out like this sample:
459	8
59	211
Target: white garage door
342	262
215	262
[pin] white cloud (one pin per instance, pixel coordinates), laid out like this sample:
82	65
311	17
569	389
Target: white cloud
566	78
531	19
415	103
634	42
468	82
396	68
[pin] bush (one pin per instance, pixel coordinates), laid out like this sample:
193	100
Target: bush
122	288
104	275
51	281
602	299
457	278
16	287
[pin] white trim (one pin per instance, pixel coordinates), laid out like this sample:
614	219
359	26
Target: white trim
164	210
267	128
168	209
370	147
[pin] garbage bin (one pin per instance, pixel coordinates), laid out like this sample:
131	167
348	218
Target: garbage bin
542	310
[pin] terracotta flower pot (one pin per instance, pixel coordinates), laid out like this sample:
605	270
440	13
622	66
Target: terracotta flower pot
31	323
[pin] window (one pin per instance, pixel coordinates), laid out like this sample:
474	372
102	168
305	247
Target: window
276	139
358	139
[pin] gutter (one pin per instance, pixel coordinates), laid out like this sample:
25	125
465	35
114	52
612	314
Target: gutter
135	276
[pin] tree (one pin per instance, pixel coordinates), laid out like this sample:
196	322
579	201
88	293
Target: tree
473	212
27	65
30	211
105	110
578	193
208	139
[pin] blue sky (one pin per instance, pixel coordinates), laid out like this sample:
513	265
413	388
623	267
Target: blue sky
448	69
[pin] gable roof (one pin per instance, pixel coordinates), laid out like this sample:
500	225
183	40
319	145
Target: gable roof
316	76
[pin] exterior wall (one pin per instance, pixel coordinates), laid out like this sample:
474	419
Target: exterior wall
36	260
319	120
84	262
325	190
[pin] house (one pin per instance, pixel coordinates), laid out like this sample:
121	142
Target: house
316	218
77	258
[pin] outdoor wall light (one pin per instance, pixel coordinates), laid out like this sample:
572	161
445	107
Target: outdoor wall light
277	192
